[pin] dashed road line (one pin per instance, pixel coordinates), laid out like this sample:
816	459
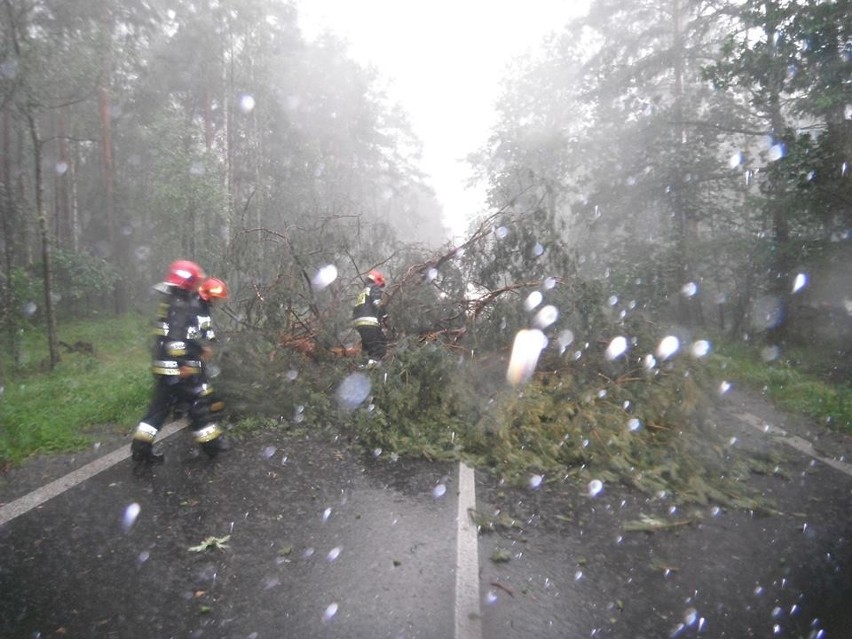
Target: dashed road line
794	441
36	498
468	615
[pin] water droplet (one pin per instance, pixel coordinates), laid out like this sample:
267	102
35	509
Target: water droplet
526	349
535	481
668	346
326	514
439	491
634	424
700	348
689	289
724	387
800	282
269	451
616	348
533	300
330	611
130	515
334	553
247	103
491	598
354	390
324	276
595	487
545	317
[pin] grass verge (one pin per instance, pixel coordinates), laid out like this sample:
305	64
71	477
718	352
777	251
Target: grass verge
56	411
788	385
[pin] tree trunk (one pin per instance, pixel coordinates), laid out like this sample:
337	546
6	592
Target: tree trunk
46	248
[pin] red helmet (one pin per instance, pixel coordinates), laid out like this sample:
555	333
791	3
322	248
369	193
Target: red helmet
377	277
213	288
185	274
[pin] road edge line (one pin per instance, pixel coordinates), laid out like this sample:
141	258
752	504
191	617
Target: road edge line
36	498
793	441
468	614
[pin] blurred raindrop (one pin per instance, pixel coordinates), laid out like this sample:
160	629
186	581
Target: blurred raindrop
617	347
143	557
777	151
546	316
431	274
690	289
634	424
537	250
130	515
724	387
536	481
491	597
61	168
649	362
330	611
326	514
668	347
700	348
334	553
533	300
439	491
526	349
595	487
770	353
269	451
736	159
501	232
324	276
292	374
246	103
29	309
354	390
549	283
800	282
565	339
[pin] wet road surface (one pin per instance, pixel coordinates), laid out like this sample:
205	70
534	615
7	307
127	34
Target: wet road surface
320	540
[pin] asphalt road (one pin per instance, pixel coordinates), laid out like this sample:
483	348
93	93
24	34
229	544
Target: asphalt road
320	540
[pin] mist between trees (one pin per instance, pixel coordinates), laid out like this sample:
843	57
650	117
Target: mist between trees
682	164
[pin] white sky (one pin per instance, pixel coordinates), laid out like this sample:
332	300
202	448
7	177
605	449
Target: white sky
443	61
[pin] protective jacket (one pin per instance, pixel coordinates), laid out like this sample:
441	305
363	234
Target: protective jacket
178	333
368	309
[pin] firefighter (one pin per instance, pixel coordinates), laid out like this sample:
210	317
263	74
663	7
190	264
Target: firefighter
177	364
207	407
369	317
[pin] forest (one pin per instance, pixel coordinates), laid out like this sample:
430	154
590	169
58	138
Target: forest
660	169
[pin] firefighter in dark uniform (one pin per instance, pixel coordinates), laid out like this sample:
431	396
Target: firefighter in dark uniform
177	364
368	318
208	406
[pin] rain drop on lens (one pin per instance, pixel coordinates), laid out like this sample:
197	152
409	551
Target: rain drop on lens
668	346
535	481
330	611
354	390
616	348
595	487
324	276
130	515
439	491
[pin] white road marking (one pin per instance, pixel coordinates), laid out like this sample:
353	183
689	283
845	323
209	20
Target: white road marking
794	441
468	614
37	497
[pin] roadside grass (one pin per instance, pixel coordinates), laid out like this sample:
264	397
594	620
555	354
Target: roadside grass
788	385
45	411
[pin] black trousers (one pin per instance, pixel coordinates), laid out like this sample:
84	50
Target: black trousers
373	341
